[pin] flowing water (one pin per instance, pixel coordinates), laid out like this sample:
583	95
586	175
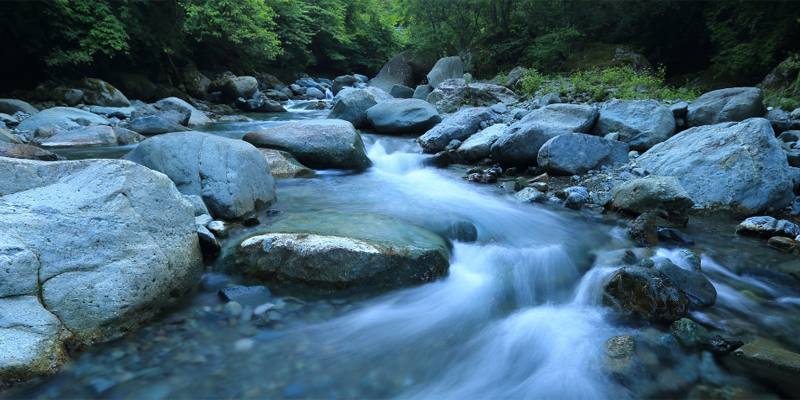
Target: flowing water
518	316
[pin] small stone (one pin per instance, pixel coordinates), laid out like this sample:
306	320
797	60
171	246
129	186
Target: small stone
530	195
233	309
540	186
577	196
765	226
248	295
783	244
689	333
217	228
202	220
243	345
541	178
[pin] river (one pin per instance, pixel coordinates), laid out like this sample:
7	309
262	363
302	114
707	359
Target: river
518	316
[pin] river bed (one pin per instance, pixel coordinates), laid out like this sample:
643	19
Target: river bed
518	316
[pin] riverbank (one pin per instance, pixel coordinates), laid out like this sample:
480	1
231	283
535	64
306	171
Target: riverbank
382	261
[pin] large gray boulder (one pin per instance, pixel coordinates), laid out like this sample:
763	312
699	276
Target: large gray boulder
401	116
91	249
12	106
454	93
478	146
234	87
343	81
444	69
652	192
568	117
726	105
101	93
97	135
352	104
520	143
196	117
339	249
737	166
321	144
458	126
231	176
576	153
56	118
397	71
640	123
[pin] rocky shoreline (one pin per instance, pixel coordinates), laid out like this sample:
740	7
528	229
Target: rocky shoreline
95	248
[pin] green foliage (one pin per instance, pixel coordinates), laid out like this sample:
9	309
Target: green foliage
602	84
242	27
86	28
550	50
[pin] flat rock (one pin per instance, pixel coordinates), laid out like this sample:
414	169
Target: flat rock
319	144
339	249
283	165
577	153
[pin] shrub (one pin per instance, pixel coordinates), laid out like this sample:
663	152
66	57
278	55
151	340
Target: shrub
601	84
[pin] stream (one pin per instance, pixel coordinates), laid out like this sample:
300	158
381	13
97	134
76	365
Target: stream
518	316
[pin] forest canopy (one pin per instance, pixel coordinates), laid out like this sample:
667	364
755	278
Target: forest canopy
733	41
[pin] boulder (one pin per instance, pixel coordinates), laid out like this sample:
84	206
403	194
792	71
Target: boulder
766	227
644	293
234	87
342	82
315	93
97	135
319	144
352	104
454	93
284	165
231	176
444	69
337	249
397	71
154	124
101	93
195	83
771	362
56	118
514	76
28	152
478	146
652	193
56	285
13	106
402	92
458	126
726	105
576	153
401	116
698	288
520	143
640	123
737	166
566	117
421	92
196	117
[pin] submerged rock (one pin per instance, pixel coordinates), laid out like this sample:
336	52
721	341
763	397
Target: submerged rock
337	249
143	254
737	166
320	144
771	362
697	287
765	227
231	176
645	293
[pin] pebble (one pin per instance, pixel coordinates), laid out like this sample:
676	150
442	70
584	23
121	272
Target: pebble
243	345
248	295
233	309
